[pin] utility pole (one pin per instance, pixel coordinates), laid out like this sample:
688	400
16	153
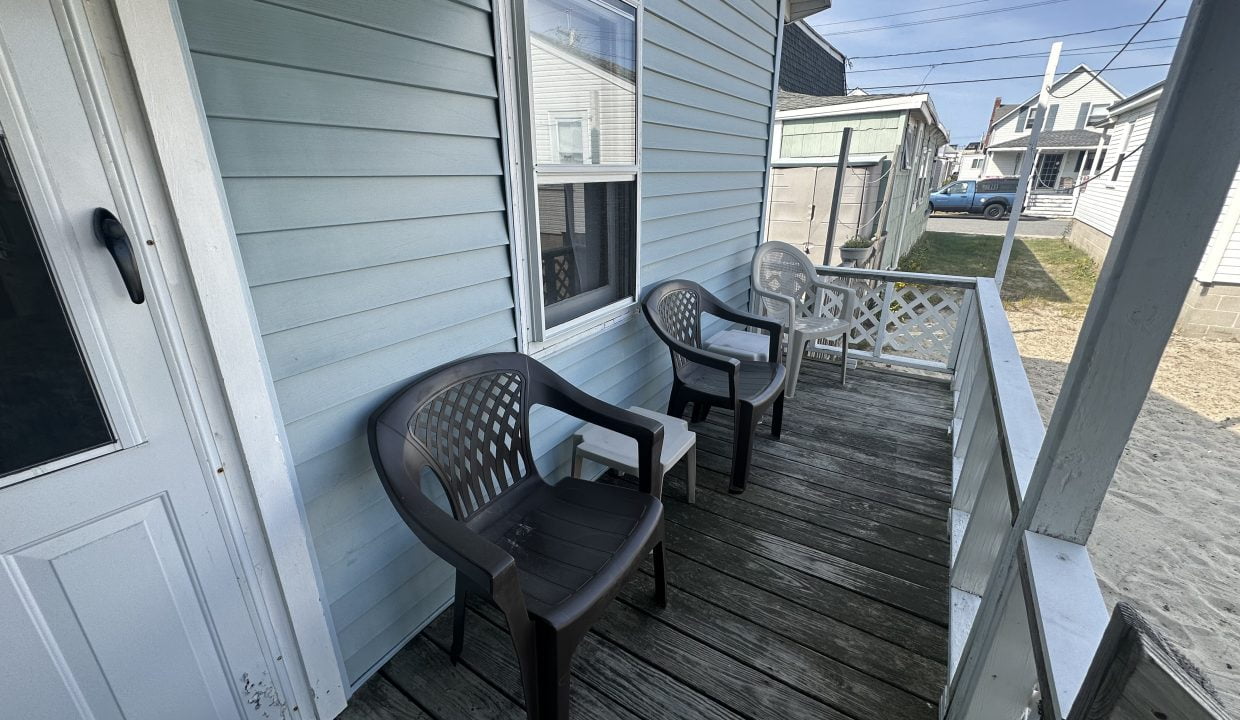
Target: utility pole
1026	164
841	169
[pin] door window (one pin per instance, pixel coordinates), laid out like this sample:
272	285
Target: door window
1048	170
51	409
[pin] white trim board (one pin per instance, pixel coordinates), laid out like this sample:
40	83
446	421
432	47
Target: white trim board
185	164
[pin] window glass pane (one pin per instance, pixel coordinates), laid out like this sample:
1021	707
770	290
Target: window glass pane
583	57
586	234
50	409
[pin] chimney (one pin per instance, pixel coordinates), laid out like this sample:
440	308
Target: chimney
990	123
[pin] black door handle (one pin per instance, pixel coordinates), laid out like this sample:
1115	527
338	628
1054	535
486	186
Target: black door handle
112	234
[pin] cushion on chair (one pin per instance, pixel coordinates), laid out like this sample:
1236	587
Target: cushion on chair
571	540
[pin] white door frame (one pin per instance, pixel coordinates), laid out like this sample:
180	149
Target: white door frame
211	334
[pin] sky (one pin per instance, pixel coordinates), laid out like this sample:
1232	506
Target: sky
965	108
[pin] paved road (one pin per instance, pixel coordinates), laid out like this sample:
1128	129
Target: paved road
957	223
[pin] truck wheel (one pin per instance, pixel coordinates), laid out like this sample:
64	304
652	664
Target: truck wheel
994	211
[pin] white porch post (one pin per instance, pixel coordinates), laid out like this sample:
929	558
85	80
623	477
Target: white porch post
1162	234
1163	230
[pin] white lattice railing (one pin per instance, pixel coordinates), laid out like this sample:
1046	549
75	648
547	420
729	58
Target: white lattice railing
909	319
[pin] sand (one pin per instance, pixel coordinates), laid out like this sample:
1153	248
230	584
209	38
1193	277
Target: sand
1168	537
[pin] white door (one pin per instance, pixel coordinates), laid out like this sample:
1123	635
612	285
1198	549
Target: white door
120	596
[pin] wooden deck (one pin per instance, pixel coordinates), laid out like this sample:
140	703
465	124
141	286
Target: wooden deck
821	592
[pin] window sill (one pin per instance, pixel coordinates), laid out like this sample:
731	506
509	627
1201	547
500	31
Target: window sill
587	326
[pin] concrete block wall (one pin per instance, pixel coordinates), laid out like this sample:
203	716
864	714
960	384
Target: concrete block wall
1211	311
1090	240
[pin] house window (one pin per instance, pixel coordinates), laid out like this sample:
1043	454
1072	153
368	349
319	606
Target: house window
977	163
1097	113
582	124
1033	115
1102	158
1084	159
1118	164
568	141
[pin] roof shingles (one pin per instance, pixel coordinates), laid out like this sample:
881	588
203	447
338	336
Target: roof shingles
1055	139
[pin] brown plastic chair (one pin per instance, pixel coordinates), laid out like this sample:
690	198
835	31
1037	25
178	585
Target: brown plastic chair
708	379
550	557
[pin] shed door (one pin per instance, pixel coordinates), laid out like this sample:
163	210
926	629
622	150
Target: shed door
792	205
119	596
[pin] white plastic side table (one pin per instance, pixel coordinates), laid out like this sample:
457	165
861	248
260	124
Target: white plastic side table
620	451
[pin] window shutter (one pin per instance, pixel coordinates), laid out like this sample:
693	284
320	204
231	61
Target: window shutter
1050	118
1082	117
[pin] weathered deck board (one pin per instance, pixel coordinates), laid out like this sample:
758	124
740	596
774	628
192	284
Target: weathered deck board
819	593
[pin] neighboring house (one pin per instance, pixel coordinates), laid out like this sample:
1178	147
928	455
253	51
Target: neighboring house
972	161
891	163
1068	146
810	65
1212	308
326	199
946	166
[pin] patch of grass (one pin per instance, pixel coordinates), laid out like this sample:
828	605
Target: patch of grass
1046	272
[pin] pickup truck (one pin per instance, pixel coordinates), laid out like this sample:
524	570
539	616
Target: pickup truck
992	198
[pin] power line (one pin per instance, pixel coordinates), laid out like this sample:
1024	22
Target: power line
945	18
1089	82
907	12
1122	157
994	79
1014	57
1014	42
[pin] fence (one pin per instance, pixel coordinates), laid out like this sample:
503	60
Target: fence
905	319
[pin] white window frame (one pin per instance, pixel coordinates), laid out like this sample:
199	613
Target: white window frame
516	94
1030	118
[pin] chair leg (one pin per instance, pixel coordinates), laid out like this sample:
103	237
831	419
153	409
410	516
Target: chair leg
660	577
691	473
458	621
796	351
777	417
742	445
554	674
524	642
676	404
843	358
576	471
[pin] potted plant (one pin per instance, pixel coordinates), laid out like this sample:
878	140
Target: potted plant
856	250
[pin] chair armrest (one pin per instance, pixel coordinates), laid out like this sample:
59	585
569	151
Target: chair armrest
850	296
487	566
788	302
562	395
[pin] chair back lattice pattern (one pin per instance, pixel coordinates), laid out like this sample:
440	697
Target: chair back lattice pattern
784	270
680	317
475	434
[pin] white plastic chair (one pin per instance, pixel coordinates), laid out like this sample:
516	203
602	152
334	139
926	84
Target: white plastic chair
788	288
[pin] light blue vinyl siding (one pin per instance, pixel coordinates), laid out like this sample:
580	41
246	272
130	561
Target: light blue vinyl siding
707	74
359	147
